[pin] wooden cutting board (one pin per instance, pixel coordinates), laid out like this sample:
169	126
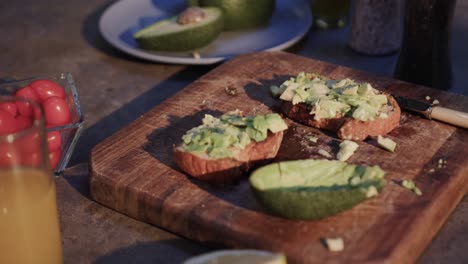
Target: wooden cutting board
134	172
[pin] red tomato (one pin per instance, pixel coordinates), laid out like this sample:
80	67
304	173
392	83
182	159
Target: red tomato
29	144
54	158
7	123
46	89
25	108
23	122
9	155
9	107
30	158
54	140
56	111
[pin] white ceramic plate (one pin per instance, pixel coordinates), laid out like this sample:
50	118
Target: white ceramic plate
290	22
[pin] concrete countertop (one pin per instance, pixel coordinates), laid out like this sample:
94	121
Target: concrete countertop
50	36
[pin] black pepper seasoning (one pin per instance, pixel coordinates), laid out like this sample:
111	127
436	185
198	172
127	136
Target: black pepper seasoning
376	26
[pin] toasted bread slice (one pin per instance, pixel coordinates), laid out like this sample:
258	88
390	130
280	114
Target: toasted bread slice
221	149
346	127
228	170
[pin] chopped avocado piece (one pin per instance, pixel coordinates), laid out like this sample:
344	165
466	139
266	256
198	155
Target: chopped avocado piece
275	123
331	98
241	14
313	189
275	91
365	112
334	244
378	100
347	149
217	136
410	185
371	192
366	89
326	108
169	35
386	143
351	90
312	138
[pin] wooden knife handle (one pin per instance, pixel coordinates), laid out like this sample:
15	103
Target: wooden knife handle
450	116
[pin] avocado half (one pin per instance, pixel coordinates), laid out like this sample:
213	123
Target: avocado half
168	35
241	14
314	189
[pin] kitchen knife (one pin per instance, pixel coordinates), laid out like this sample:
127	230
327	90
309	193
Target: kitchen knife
431	111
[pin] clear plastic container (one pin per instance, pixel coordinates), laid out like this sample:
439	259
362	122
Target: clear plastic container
69	132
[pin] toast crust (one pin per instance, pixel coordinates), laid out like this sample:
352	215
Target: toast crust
346	127
232	169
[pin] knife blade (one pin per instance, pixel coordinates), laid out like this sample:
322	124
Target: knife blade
431	111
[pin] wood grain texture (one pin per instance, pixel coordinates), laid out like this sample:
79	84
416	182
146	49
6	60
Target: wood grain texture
134	172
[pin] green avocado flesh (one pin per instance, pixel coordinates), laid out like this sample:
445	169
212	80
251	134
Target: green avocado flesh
168	35
314	189
335	98
241	14
218	137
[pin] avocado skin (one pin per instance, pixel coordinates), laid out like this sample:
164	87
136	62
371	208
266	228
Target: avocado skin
241	14
314	203
194	38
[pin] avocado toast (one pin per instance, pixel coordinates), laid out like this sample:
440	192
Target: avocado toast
221	149
353	110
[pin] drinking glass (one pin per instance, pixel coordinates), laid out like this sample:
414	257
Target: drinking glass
29	223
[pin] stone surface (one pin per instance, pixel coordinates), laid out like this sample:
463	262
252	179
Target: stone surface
50	36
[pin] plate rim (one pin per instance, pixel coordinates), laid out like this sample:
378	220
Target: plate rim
186	60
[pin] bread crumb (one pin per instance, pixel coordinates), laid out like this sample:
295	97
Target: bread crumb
334	244
231	90
435	102
428	98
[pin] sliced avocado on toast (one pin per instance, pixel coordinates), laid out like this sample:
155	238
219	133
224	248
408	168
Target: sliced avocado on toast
314	189
241	14
172	35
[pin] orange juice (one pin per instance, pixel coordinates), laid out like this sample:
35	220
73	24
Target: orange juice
29	226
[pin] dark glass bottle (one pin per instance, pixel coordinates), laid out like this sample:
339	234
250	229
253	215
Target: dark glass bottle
425	51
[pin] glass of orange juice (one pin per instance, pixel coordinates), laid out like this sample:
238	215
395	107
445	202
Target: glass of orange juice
29	223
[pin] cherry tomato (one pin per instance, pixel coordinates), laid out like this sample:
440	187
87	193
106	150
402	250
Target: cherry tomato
7	123
9	155
25	108
30	158
56	111
46	89
54	158
29	144
22	122
54	140
10	108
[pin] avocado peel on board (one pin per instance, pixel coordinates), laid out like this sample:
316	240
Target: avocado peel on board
314	189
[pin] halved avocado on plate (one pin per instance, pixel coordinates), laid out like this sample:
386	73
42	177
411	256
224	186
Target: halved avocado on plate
170	35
